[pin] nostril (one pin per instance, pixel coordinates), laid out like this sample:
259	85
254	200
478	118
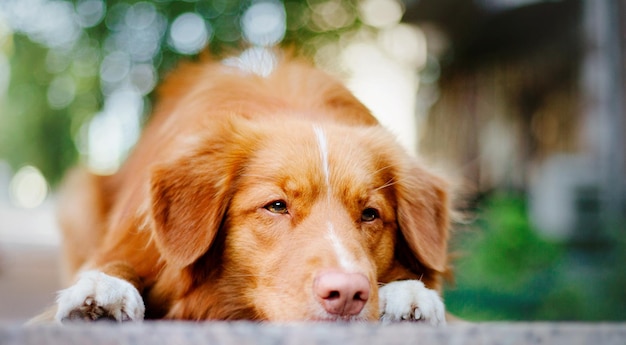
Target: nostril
334	295
363	294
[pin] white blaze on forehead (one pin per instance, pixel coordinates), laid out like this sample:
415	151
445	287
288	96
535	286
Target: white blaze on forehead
322	143
346	259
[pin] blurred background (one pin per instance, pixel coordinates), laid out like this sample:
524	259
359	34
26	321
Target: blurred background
521	102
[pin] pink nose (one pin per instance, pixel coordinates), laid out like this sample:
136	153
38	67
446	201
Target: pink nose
340	293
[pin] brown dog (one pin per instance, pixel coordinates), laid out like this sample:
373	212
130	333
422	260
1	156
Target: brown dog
261	190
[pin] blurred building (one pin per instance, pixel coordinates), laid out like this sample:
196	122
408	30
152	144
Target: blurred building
529	95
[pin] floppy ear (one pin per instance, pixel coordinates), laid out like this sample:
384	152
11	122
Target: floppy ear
189	200
423	215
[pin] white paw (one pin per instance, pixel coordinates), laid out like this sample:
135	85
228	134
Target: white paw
99	296
410	300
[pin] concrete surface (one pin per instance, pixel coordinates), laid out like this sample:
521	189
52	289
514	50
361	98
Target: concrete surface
29	266
29	279
216	333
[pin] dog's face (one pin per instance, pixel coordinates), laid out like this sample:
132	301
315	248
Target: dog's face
314	202
309	218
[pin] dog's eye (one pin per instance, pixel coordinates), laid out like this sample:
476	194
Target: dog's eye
369	215
278	206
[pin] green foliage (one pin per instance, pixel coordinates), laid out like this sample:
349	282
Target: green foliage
31	132
35	132
506	271
507	252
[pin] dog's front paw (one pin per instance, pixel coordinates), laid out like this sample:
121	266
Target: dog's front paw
98	296
410	300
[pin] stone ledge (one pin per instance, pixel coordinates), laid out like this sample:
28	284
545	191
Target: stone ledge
241	333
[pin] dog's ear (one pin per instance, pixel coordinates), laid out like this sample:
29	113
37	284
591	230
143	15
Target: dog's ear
189	200
423	215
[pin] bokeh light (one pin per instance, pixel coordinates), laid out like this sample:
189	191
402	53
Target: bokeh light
143	77
114	68
61	92
90	12
406	44
113	132
381	13
264	23
86	61
331	15
28	187
189	33
48	22
136	30
386	86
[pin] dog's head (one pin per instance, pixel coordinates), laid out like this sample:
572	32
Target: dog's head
294	221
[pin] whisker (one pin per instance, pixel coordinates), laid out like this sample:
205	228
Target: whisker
384	168
387	184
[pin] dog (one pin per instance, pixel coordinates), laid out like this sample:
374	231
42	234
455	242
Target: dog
261	189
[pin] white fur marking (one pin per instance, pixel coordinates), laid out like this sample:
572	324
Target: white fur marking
410	300
345	259
322	143
259	61
118	297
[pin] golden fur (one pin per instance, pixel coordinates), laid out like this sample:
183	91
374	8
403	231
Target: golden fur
185	219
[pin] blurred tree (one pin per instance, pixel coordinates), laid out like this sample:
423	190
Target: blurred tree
32	131
514	264
506	271
69	58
